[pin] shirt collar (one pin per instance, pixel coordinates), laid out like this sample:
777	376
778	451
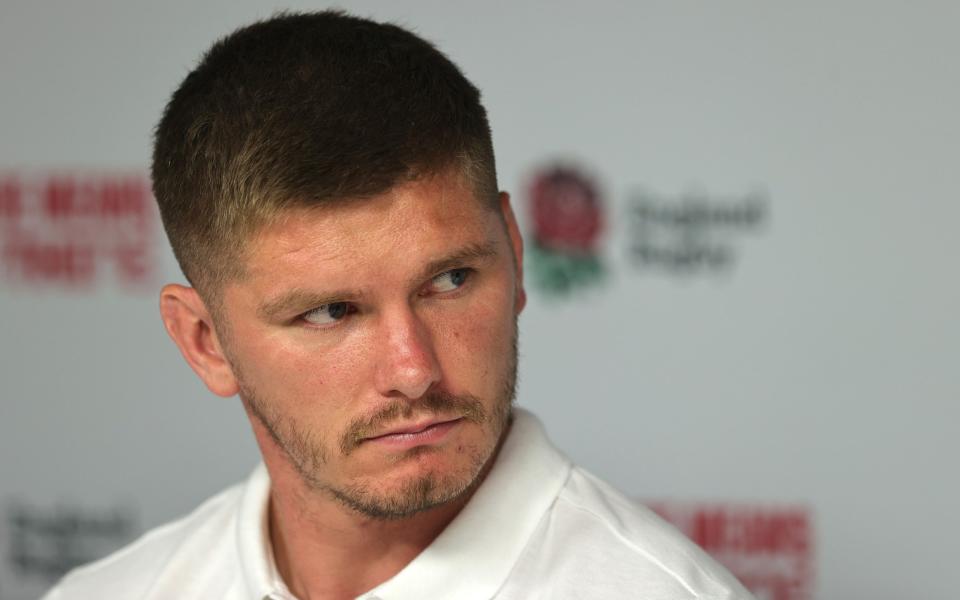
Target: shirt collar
471	558
253	540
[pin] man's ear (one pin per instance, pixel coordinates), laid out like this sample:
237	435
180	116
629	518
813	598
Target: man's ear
516	241
188	322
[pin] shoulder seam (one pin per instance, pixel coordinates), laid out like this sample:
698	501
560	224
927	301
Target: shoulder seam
645	553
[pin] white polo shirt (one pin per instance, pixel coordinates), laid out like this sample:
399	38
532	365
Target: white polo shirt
538	527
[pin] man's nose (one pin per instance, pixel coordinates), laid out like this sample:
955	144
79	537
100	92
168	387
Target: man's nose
408	363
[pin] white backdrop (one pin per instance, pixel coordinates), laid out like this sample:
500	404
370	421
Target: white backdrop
817	368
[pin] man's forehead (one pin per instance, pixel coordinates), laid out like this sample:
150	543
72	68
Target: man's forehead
357	228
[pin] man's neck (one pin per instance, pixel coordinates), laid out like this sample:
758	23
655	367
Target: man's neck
324	550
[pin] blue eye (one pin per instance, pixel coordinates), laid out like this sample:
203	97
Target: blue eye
449	281
327	313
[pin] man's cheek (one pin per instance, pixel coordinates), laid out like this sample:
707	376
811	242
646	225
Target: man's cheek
480	347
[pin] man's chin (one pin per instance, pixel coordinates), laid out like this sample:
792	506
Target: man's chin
415	480
405	497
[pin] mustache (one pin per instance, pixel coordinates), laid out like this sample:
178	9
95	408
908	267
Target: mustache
434	404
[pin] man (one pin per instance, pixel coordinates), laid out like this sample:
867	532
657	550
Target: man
328	186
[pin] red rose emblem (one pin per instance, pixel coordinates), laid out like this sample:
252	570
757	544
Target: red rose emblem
566	211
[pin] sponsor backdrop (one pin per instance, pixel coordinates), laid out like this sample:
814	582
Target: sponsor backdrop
741	224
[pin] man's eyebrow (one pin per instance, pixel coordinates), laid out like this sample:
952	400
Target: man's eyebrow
297	301
459	258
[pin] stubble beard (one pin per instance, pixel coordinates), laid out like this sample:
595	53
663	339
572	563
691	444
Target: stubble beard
309	454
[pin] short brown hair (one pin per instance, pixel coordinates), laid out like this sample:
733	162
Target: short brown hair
300	110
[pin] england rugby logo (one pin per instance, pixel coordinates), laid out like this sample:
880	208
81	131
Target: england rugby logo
566	212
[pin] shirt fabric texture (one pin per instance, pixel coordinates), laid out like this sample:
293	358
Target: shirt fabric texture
538	527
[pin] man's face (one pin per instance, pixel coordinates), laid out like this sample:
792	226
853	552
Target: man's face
375	341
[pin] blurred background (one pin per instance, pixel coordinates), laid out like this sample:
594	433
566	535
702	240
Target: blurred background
741	219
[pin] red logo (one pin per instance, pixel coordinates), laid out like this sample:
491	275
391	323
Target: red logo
566	211
770	550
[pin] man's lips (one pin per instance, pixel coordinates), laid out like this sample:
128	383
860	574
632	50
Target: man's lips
416	434
414	428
